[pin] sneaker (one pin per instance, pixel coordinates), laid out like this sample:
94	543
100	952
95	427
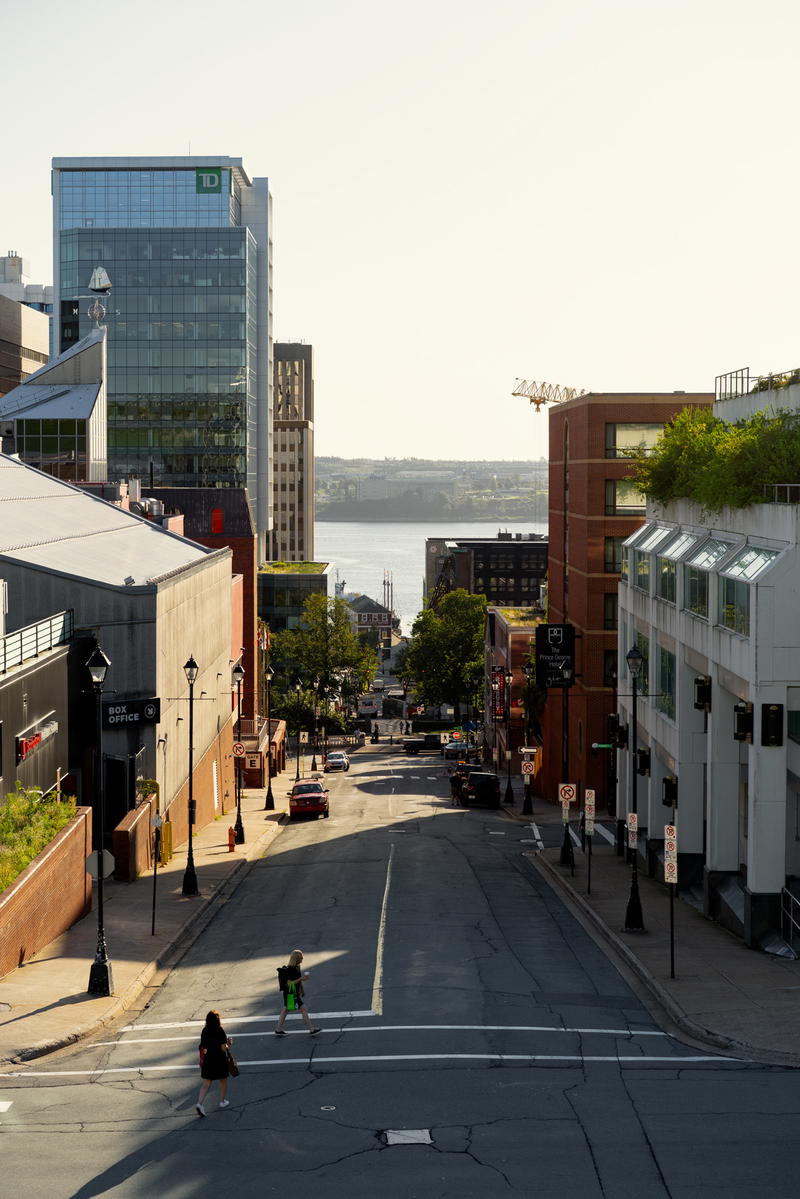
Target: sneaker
279	1032
224	1102
201	1111
312	1032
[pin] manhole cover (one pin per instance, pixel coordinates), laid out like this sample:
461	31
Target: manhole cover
408	1136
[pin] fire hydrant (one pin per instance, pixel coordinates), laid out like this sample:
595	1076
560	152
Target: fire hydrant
231	839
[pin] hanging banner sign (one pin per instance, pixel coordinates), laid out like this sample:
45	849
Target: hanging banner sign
670	853
633	830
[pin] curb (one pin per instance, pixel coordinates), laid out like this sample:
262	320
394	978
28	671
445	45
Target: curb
166	959
664	1003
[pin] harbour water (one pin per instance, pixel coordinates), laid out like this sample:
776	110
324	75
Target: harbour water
364	552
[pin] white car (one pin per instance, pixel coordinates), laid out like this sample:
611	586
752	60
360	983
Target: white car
337	759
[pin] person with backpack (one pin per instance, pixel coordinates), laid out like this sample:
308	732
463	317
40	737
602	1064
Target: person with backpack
290	982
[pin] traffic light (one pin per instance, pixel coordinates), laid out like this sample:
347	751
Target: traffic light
643	761
669	791
702	693
743	722
772	724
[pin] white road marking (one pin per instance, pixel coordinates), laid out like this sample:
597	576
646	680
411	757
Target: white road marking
535	830
599	828
579	1059
492	833
251	1020
576	841
377	982
301	1032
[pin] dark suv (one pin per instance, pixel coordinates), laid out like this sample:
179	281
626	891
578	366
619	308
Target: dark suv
481	788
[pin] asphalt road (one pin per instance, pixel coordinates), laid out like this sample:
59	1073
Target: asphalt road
476	1042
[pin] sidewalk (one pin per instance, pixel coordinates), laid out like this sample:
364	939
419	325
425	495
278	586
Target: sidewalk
44	1004
723	996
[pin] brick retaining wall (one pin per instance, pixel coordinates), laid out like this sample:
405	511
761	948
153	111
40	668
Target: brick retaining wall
49	896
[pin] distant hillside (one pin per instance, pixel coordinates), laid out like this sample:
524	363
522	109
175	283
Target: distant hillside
527	506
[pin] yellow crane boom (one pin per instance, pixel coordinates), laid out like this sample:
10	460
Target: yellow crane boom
545	393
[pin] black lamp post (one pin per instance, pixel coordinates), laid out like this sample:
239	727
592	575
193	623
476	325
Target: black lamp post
238	828
634	920
314	743
530	674
495	694
297	690
269	802
190	887
100	979
509	789
567	856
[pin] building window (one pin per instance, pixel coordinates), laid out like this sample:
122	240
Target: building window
792	726
624	564
696	591
622	498
610	610
623	440
665	700
610	668
217	520
612	549
734	605
641	577
665	579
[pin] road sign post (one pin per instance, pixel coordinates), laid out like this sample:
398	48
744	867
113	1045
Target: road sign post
567	793
588	818
671	878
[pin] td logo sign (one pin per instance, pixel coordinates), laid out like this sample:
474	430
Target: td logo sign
208	180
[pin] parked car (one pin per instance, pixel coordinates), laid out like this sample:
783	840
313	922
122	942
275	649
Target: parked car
456	749
424	743
308	798
337	759
481	788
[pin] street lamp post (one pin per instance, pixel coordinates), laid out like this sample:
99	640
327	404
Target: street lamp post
238	828
567	856
297	690
100	977
634	919
530	674
190	887
314	744
269	802
495	693
509	789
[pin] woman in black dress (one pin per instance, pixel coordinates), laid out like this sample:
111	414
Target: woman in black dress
214	1046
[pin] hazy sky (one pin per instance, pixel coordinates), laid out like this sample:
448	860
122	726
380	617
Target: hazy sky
600	194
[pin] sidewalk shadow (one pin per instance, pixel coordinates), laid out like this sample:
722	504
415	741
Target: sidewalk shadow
83	997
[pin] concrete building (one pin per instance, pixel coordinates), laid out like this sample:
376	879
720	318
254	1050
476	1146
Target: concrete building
15	284
284	587
293	467
593	507
509	569
151	599
24	342
56	420
712	603
186	243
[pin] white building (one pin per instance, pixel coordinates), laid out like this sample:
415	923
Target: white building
712	603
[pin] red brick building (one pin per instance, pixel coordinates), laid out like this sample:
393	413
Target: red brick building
592	509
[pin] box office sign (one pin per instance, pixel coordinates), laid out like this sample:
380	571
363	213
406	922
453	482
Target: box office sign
131	712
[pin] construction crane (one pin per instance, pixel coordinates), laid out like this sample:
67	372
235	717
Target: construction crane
545	393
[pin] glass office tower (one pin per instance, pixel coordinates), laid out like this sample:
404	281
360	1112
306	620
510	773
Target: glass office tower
186	243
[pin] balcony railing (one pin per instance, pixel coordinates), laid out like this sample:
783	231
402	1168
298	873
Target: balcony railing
782	493
741	382
35	639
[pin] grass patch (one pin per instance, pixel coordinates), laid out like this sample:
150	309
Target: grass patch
28	823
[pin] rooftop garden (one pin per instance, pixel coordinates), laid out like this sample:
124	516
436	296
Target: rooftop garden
719	464
523	616
293	568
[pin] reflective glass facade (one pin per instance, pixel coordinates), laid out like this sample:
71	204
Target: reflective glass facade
183	349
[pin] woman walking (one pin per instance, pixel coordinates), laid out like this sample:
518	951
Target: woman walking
214	1046
291	983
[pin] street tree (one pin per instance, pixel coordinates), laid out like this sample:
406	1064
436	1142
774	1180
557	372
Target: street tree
323	653
445	654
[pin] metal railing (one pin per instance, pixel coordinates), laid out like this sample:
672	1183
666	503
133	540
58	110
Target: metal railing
782	493
790	917
35	639
741	382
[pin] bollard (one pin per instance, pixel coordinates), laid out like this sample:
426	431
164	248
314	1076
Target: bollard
231	840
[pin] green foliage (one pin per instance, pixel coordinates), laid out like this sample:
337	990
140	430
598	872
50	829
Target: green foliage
716	464
322	653
28	824
445	654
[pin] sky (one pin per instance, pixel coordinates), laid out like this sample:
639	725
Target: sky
596	193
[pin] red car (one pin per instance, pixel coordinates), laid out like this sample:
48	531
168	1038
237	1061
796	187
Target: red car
308	799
